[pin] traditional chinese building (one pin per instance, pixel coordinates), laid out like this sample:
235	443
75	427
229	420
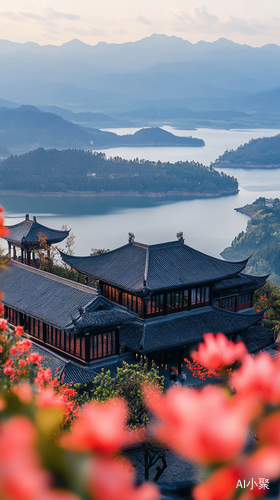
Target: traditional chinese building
29	236
155	301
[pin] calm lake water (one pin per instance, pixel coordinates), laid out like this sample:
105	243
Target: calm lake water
209	225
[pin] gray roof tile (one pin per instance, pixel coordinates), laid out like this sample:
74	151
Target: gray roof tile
182	329
42	295
135	266
241	280
28	233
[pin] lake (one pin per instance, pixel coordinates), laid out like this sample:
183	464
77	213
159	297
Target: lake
209	225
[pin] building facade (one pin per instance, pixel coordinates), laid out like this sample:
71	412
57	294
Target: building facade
153	301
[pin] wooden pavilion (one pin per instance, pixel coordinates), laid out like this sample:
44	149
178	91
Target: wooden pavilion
30	236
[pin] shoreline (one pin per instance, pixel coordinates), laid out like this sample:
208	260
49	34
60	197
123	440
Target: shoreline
87	194
246	166
246	210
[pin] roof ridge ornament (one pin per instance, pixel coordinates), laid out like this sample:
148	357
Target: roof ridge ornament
131	237
180	236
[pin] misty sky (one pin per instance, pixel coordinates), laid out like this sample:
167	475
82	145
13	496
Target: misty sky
254	22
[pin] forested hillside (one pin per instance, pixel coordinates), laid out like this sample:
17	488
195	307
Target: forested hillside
256	153
261	239
83	171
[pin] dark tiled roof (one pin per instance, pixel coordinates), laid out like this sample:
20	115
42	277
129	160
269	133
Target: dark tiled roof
136	267
182	329
58	301
74	372
250	282
99	314
28	233
18	231
257	338
42	295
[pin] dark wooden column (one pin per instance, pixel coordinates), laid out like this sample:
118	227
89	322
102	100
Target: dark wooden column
14	253
87	349
21	256
44	332
28	257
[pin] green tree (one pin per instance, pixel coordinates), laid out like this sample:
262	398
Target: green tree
268	297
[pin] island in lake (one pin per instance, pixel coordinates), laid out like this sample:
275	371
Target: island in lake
257	153
87	173
261	240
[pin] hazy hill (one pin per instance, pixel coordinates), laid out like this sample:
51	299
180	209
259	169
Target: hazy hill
257	153
77	171
27	127
99	120
116	77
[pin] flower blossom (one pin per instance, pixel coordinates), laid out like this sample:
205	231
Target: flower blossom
3	324
205	426
101	427
217	351
21	477
23	392
111	479
3	230
221	485
259	376
48	399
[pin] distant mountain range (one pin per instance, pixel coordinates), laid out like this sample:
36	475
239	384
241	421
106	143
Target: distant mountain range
27	127
157	72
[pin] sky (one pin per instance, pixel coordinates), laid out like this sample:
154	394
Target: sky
252	22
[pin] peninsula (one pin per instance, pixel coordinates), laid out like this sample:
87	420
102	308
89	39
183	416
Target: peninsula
257	153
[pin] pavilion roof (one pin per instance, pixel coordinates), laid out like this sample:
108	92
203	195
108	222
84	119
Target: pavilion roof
28	233
240	282
185	328
137	267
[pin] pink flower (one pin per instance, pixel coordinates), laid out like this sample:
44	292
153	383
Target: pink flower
114	480
259	376
21	477
265	462
101	427
3	324
23	392
58	495
34	357
217	351
24	345
14	350
221	485
18	331
9	371
48	399
205	426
